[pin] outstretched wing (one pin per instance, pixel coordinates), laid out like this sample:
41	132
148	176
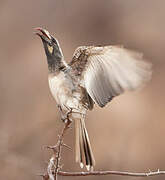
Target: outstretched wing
108	71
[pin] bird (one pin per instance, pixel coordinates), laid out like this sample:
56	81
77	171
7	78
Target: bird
95	75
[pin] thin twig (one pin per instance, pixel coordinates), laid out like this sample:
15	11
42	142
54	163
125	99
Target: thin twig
54	162
120	173
59	148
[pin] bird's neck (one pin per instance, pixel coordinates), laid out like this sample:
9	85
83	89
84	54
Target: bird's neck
56	65
56	61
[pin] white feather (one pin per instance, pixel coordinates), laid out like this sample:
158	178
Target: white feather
112	70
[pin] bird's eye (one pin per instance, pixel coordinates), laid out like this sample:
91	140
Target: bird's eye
50	48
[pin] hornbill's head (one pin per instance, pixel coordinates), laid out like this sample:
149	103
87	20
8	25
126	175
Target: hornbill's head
52	48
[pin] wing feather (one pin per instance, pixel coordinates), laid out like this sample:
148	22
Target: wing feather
108	71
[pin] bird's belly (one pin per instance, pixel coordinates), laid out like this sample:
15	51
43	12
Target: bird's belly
62	91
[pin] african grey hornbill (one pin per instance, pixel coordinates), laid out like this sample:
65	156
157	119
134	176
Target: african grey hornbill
95	75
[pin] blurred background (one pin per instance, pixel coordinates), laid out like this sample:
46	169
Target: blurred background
128	134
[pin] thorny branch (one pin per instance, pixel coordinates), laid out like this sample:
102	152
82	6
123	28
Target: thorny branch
54	167
54	162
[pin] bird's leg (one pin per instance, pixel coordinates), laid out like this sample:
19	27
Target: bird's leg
63	115
67	119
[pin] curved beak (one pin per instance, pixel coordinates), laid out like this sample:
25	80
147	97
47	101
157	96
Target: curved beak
42	32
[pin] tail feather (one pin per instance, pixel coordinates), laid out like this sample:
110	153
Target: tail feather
84	154
81	147
77	142
91	160
85	145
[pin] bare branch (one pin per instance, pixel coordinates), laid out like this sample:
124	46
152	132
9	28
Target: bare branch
120	173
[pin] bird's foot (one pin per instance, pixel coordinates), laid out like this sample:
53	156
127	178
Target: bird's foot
68	120
65	117
62	114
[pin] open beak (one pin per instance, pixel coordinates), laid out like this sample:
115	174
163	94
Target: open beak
42	32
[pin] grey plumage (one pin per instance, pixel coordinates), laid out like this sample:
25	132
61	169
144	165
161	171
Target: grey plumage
95	75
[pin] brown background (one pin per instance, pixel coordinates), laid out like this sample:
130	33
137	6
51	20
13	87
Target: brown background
128	134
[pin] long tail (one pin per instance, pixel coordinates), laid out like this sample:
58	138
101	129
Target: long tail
84	154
